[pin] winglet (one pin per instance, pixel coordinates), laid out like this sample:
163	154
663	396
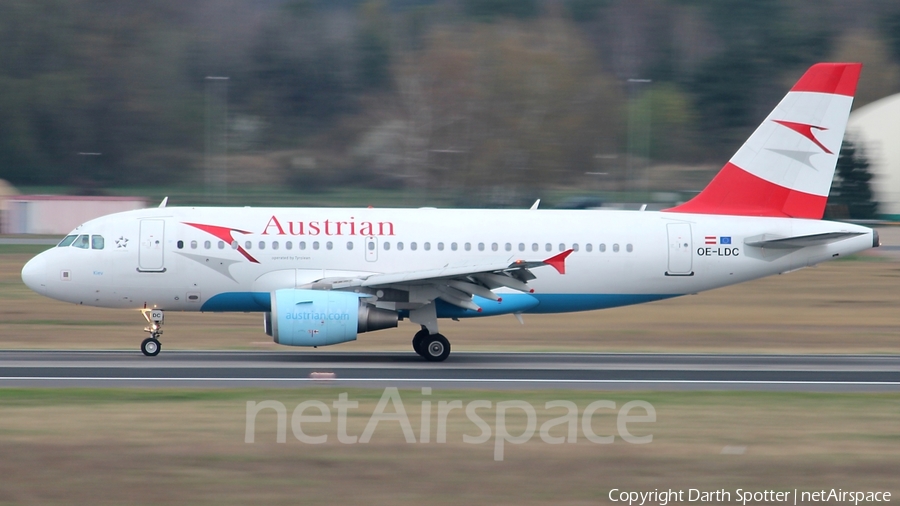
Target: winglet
535	205
165	201
558	262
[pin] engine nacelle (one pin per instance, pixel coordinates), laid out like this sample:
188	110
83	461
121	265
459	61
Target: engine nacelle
323	317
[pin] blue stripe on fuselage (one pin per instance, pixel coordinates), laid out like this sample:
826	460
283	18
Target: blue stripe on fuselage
512	303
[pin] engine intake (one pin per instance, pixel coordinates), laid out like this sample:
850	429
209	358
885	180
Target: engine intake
321	318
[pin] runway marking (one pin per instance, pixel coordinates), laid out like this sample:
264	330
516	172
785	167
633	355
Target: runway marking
456	380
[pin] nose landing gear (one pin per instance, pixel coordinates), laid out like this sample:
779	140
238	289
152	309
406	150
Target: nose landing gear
151	346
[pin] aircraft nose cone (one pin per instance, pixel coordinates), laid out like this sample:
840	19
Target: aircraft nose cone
34	274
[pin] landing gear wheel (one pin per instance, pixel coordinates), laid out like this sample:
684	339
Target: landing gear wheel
418	340
436	348
154	317
150	347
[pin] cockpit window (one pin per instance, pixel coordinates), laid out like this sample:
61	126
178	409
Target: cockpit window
97	242
82	241
67	241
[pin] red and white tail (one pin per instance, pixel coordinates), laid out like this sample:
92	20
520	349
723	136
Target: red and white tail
786	167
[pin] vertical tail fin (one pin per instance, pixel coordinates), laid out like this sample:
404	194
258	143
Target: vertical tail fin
786	167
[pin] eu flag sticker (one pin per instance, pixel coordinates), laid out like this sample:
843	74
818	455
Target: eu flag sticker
724	240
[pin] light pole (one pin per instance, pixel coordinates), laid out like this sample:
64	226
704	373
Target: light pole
216	138
638	129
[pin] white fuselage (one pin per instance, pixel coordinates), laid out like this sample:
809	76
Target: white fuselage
230	259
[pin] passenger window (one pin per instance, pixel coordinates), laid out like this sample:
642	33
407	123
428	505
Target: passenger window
521	246
494	247
440	246
97	242
179	244
193	244
315	245
399	246
412	246
69	239
262	245
534	247
427	246
275	244
629	248
601	248
221	244
468	246
548	247
234	245
248	245
387	246
575	247
615	248
508	247
562	247
301	245
207	245
350	245
481	246
453	246
82	242
588	247
288	245
329	245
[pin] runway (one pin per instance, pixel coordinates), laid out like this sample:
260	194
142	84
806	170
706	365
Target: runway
594	371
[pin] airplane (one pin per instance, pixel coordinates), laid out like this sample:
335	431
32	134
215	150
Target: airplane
321	276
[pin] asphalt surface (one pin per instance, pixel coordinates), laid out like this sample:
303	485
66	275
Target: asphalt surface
467	370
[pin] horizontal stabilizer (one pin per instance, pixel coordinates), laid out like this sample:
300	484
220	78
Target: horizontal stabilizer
801	241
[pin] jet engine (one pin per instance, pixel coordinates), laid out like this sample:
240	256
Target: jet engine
323	317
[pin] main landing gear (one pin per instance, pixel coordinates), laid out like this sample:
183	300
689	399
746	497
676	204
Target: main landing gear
151	345
431	347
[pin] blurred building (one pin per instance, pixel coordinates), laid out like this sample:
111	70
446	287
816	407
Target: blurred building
6	191
59	214
876	129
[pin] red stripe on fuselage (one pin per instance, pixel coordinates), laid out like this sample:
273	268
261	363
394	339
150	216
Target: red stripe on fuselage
837	78
224	233
736	192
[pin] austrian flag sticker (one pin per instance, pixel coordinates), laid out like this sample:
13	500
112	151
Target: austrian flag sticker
712	239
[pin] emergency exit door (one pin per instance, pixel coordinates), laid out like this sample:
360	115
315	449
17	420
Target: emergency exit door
680	257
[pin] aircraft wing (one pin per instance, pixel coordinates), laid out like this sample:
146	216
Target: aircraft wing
456	284
800	241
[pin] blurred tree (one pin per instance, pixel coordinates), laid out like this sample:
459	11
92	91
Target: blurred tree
301	73
880	76
735	89
520	104
491	10
890	29
373	47
585	10
672	128
531	96
851	186
86	77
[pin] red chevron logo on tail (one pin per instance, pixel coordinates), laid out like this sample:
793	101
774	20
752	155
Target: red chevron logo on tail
806	131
